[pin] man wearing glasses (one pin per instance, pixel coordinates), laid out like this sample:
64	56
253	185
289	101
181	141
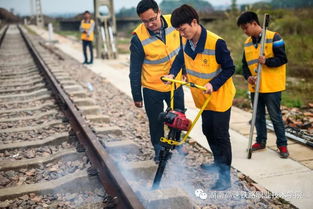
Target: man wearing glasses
154	46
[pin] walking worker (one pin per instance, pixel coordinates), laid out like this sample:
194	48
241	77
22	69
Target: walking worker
208	63
154	46
87	35
272	81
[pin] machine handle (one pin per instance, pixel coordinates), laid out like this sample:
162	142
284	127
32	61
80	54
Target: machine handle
190	84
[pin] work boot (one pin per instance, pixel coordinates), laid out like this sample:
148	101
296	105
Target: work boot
257	146
223	182
210	167
283	151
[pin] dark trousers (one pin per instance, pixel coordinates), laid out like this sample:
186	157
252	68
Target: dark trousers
215	126
153	101
272	103
85	45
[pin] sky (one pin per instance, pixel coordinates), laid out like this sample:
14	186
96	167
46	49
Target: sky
22	7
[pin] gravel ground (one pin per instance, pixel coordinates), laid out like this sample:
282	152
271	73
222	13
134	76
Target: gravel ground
32	122
18	62
15	89
34	134
35	152
46	172
134	125
85	200
31	104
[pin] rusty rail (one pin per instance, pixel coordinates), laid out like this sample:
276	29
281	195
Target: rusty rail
3	34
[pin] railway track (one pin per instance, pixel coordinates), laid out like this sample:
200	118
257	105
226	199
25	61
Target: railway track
42	159
58	149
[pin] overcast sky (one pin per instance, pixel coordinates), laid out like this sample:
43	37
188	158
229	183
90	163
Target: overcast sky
75	6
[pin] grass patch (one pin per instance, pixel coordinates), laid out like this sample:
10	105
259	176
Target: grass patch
73	34
242	93
122	40
241	99
296	94
289	100
29	30
123	45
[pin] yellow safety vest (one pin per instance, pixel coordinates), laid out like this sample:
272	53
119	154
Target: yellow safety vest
159	56
202	70
273	79
86	26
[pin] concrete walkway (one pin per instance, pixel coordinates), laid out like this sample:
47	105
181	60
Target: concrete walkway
287	178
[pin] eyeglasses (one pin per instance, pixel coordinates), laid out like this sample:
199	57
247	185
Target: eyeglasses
150	20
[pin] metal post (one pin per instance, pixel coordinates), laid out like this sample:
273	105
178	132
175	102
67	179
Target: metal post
104	40
97	30
105	44
50	30
32	13
257	88
39	16
114	51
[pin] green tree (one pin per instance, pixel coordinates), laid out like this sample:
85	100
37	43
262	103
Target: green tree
129	12
292	3
202	6
233	5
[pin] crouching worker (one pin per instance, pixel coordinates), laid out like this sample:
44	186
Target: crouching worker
208	63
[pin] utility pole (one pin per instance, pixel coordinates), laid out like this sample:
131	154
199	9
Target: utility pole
31	10
39	16
105	29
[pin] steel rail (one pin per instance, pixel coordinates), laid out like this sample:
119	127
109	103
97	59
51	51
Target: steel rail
3	34
290	135
113	181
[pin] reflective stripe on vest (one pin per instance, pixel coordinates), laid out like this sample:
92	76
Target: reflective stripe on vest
273	79
208	52
204	75
153	38
87	26
251	62
159	56
165	59
266	41
203	69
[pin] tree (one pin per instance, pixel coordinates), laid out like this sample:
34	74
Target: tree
202	6
233	5
292	3
130	12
